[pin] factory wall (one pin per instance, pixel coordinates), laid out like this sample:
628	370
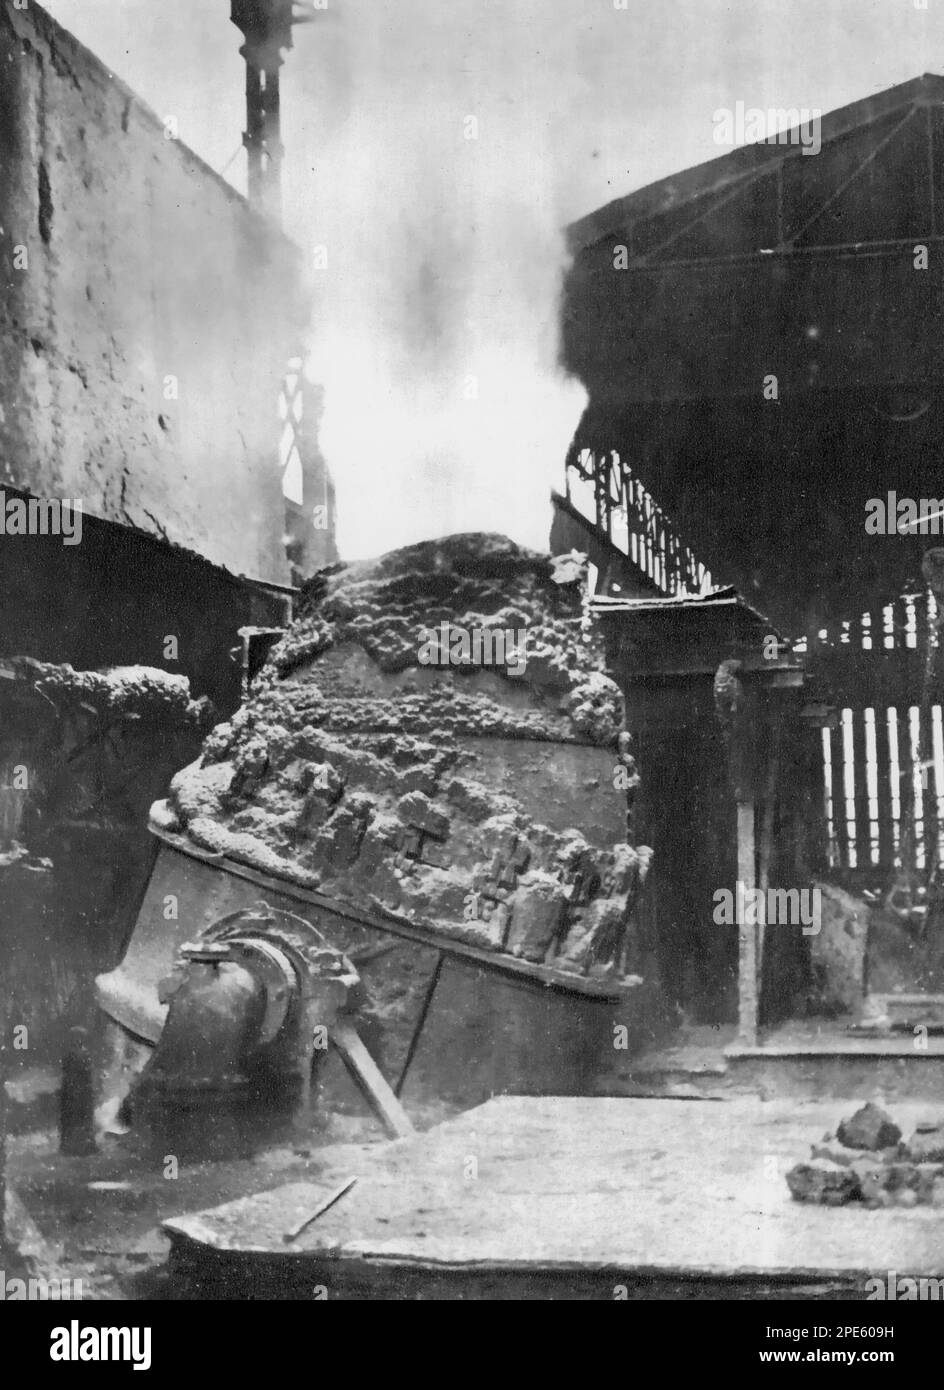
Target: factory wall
75	851
146	319
146	314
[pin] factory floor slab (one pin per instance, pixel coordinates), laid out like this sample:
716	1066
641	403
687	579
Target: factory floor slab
530	1197
97	1218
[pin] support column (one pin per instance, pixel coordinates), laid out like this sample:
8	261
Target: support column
748	955
736	710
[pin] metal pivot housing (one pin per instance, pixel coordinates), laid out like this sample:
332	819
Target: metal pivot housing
244	1002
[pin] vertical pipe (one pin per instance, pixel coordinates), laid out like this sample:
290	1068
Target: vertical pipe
254	135
77	1097
747	934
272	171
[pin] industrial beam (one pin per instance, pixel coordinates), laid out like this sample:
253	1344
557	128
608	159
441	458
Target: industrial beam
266	26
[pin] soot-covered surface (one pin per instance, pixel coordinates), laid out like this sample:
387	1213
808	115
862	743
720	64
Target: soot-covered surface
356	768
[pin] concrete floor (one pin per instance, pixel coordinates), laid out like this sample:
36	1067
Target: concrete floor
681	1193
585	1195
98	1218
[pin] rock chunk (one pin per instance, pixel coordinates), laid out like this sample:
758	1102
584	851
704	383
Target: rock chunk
417	809
821	1181
869	1128
926	1145
832	1152
537	913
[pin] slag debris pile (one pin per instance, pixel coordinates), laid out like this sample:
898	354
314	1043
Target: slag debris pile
352	767
126	692
867	1161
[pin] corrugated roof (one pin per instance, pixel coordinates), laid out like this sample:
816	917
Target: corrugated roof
603	605
716	175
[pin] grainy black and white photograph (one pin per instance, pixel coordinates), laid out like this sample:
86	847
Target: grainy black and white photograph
471	687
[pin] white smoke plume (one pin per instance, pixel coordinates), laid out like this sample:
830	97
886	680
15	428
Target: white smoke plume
444	253
436	307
